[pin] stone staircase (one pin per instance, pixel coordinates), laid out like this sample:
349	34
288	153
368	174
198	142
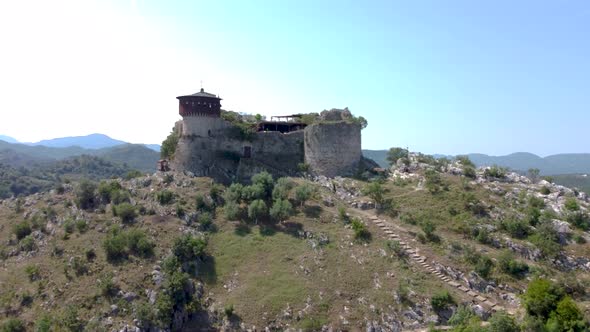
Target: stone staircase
483	300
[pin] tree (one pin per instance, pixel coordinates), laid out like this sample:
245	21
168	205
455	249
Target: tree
533	174
541	297
169	145
257	209
265	180
465	161
501	322
567	317
394	154
376	191
86	195
282	188
303	193
231	210
281	209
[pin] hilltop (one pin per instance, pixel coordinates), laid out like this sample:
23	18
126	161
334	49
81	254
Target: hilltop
410	249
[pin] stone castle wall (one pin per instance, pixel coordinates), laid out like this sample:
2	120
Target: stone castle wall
222	156
333	148
203	126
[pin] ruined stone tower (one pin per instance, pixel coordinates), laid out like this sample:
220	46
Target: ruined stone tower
333	145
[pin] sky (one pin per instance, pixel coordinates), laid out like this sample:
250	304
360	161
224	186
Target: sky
446	77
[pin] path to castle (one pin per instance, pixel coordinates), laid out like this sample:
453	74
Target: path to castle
489	301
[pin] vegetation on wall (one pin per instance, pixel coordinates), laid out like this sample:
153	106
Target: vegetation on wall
169	144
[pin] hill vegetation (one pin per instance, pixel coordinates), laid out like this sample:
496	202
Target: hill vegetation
436	242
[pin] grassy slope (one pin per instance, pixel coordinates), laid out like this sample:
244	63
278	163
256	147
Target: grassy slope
259	272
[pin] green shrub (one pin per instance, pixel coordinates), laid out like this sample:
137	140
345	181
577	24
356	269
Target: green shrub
541	297
342	215
533	216
13	325
188	248
43	324
465	161
233	193
266	181
115	245
395	247
545	190
107	285
71	319
434	182
495	172
281	209
106	190
429	228
375	191
483	236
441	301
202	204
132	174
394	154
82	226
27	244
89	254
360	230
579	219
79	266
546	240
567	317
257	210
138	243
462	316
303	193
282	189
229	310
508	265
232	210
86	195
169	145
536	202
33	272
205	220
571	204
126	212
501	322
469	172
165	197
215	192
516	228
21	229
484	266
69	226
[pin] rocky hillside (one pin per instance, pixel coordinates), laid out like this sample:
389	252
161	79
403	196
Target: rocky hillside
427	244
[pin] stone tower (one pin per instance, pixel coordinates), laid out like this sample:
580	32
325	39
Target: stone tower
333	145
201	114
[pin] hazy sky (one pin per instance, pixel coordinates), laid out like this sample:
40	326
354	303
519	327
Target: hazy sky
438	76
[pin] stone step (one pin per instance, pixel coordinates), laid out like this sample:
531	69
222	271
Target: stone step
472	293
489	303
374	218
464	289
481	298
454	284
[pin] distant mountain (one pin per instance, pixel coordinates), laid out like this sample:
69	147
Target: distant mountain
155	147
567	163
135	156
92	141
8	139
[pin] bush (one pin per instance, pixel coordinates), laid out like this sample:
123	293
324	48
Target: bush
13	325
545	190
342	215
27	244
516	228
188	248
571	204
495	172
229	310
125	211
394	154
43	324
107	285
395	247
33	272
21	229
465	161
483	236
253	192
282	188
546	239
303	193
86	195
216	193
375	191
71	319
202	204
132	174
231	210
536	202
233	193
541	297
434	182
205	220
469	172
106	190
567	317
169	145
462	316
501	322
579	219
281	210
138	243
428	227
115	245
484	266
82	226
257	209
165	197
265	180
508	265
360	230
441	301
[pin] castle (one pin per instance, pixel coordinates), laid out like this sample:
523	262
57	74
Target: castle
223	146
